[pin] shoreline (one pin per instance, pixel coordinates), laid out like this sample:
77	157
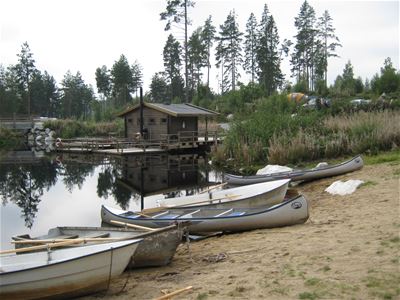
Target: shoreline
348	249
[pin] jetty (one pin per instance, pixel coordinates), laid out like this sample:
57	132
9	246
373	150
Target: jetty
118	146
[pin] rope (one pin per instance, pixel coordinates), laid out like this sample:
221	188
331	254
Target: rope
188	245
109	273
126	282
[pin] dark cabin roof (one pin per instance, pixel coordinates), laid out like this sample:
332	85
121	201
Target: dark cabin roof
175	110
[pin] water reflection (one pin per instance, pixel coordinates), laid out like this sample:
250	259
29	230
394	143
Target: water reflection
68	189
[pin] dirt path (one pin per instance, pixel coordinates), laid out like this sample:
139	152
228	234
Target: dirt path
348	249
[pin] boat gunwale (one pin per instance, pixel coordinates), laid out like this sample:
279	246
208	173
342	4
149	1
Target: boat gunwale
135	241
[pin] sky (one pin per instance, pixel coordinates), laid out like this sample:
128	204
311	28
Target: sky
82	35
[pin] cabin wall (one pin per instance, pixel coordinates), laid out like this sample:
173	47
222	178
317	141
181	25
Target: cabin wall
181	124
155	122
158	124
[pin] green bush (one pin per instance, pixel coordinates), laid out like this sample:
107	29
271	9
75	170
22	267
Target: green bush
73	128
10	139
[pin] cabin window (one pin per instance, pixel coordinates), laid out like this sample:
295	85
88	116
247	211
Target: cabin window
163	120
129	120
152	121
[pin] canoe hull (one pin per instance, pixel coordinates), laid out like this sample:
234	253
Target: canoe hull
261	194
63	277
354	164
294	211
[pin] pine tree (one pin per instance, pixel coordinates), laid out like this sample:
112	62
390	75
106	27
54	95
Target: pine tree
122	81
159	91
329	42
172	65
250	47
348	81
207	37
137	76
25	70
268	56
177	12
197	59
103	81
76	96
229	51
303	57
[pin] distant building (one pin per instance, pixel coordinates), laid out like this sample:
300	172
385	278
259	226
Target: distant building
164	121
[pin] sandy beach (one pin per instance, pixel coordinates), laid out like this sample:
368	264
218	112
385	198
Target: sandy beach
348	249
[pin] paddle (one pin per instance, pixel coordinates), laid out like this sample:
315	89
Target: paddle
40	247
84	240
214	187
133	225
162	208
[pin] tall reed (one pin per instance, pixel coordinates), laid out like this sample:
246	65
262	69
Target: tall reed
362	132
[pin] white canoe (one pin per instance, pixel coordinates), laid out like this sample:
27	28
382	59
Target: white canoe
64	272
255	195
299	175
290	212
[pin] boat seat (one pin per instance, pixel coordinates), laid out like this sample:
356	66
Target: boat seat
160	214
131	215
66	236
168	216
224	213
189	215
96	235
235	214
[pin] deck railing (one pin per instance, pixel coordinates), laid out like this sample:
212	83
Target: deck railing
188	139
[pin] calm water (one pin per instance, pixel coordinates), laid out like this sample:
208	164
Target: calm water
39	192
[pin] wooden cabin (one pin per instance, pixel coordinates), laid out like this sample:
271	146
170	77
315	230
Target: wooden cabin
164	122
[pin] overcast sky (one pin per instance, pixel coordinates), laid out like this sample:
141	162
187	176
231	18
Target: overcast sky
81	35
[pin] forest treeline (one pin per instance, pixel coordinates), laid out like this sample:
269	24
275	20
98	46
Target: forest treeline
257	50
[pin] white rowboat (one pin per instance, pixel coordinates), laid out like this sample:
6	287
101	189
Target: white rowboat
65	272
157	248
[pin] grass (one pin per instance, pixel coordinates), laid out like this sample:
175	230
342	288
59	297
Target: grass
385	157
312	281
386	286
202	296
369	183
308	295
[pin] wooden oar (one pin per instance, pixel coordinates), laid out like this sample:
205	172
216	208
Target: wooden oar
133	225
40	247
169	295
81	240
162	208
214	187
84	240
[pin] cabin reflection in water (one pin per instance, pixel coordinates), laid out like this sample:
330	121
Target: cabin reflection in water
167	174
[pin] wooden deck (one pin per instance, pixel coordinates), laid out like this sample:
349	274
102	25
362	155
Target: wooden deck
125	147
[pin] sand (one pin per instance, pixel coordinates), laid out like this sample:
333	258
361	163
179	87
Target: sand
348	249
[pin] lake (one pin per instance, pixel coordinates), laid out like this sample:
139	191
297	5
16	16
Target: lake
40	191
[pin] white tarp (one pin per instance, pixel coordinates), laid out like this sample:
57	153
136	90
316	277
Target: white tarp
344	187
269	169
